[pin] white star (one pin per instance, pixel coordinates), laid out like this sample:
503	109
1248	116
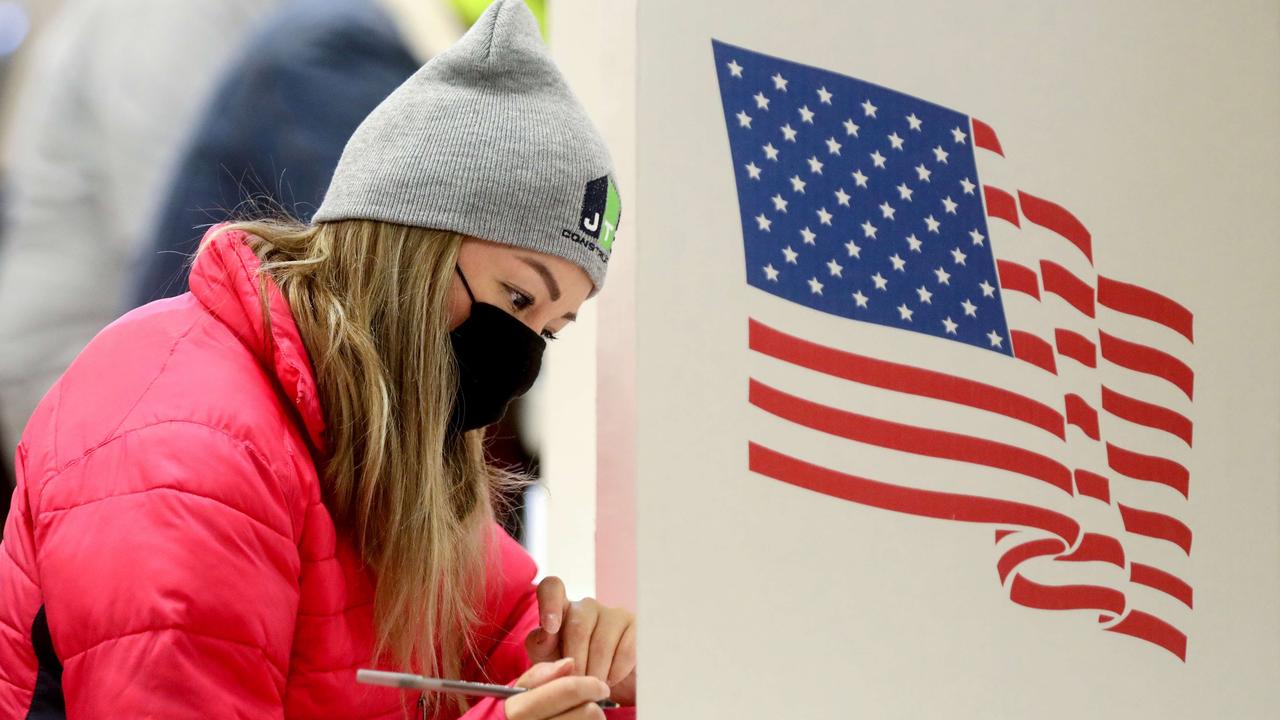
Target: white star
887	210
850	128
770	152
842	197
923	172
835	268
895	141
823	96
958	134
949	204
853	249
995	339
762	102
904	192
790	254
868	108
958	256
778	203
988	290
898	263
878	159
977	236
949	324
914	122
940	154
815	165
833	147
779	82
824	217
913	243
880	282
905	312
753	171
859	298
788	133
763	222
815	287
969	308
806	115
925	295
968	186
933	224
859	178
808	235
868	229
744	120
735	69
797	184
771	272
944	277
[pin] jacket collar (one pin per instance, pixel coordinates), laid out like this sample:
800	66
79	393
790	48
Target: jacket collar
224	279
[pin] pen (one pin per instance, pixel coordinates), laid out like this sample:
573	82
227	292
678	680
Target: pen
406	681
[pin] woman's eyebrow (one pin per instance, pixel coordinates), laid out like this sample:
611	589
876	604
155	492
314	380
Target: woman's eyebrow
552	286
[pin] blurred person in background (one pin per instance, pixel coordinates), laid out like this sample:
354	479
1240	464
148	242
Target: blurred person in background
247	492
276	124
113	88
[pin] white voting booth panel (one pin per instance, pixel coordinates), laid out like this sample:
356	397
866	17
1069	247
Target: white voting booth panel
1013	454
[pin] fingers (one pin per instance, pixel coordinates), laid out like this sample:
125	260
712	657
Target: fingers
624	658
552	604
543	673
579	625
542	646
611	624
559	699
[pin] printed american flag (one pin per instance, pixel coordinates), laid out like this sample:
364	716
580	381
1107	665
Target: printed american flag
966	361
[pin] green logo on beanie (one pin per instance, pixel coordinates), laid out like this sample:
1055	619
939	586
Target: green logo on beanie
601	209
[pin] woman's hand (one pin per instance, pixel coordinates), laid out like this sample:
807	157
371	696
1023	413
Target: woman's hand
600	640
556	694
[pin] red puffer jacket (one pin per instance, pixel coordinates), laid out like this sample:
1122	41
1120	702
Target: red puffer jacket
167	554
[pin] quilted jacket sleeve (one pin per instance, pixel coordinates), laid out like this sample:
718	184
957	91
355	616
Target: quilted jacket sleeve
169	564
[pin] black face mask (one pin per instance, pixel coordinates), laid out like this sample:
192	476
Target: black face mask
498	360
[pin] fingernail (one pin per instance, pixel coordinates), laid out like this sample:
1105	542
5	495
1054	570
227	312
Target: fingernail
605	690
551	622
562	663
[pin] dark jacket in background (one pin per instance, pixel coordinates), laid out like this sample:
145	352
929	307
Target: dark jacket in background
275	127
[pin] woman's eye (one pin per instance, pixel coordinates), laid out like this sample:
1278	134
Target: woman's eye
549	335
519	300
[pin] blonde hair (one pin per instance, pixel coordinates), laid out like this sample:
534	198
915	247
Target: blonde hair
371	301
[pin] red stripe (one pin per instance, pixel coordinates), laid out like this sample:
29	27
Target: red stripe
1053	216
1149	467
1065	597
1097	548
1001	204
1080	414
1143	303
1000	534
1061	282
1160	580
1149	360
1156	525
1077	347
1093	485
1154	630
1145	413
925	503
903	378
1024	552
909	438
1034	350
1018	277
985	138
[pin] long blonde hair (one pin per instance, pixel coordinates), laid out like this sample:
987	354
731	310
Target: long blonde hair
371	302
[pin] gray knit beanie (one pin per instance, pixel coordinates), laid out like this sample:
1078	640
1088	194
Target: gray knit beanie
487	140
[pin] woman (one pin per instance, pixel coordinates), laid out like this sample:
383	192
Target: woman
236	498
